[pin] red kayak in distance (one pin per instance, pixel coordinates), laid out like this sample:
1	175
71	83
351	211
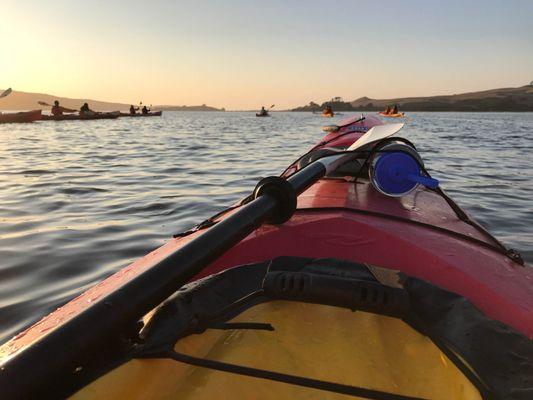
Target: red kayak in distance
76	117
20	117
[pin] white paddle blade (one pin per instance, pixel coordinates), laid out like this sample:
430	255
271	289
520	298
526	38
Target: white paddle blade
376	133
5	93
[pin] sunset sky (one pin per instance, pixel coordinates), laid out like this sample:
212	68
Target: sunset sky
239	55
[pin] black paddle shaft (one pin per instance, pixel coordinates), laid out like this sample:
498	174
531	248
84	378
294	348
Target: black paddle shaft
56	355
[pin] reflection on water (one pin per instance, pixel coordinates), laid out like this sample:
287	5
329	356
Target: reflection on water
79	200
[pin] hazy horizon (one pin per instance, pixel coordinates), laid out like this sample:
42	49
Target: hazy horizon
239	55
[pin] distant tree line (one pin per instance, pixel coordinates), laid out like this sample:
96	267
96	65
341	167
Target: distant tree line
336	103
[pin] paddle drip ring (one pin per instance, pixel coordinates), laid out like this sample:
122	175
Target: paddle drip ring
283	192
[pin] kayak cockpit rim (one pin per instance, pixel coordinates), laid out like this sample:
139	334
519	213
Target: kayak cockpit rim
217	302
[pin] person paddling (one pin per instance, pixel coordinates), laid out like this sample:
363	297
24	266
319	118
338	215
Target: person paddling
387	111
133	110
394	109
85	110
263	111
145	110
59	110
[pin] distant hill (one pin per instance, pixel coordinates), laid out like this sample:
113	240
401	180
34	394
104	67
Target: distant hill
28	101
506	99
203	107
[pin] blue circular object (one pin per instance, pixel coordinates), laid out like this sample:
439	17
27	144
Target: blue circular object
393	172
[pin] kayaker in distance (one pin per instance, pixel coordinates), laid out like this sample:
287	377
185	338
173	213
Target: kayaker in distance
328	111
145	110
85	110
393	111
263	111
59	110
133	110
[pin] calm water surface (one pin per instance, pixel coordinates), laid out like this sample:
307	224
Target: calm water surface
79	200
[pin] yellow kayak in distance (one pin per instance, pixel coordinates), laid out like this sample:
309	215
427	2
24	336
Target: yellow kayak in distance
398	115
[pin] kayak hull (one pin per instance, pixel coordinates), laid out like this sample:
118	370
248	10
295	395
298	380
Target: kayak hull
69	117
334	221
20	117
398	115
336	218
262	115
152	114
